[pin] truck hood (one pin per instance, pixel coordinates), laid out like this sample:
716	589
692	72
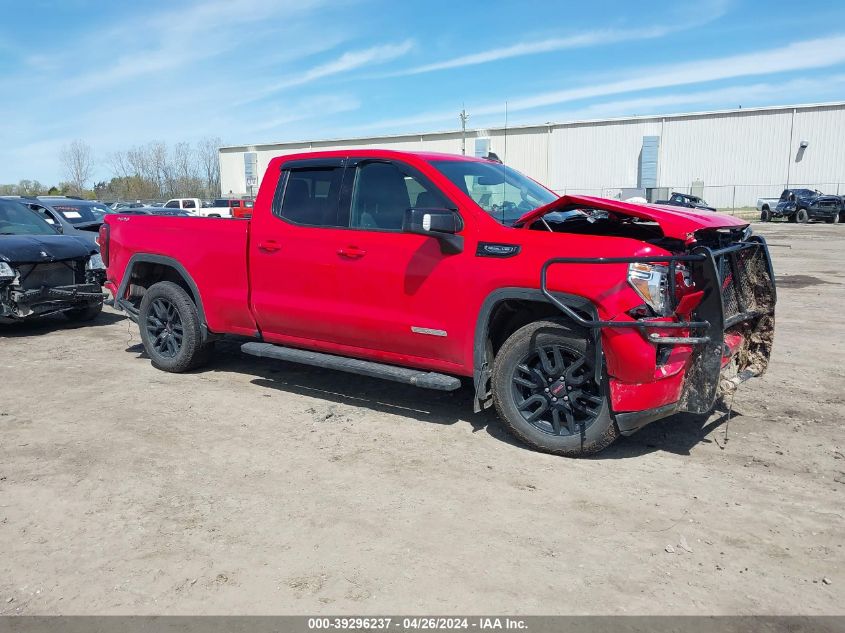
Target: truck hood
676	222
32	249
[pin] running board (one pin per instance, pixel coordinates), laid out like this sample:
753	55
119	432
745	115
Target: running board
424	379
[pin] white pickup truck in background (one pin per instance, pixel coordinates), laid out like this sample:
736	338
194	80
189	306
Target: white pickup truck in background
767	204
195	206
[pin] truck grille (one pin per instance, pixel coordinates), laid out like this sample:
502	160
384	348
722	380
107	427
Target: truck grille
747	286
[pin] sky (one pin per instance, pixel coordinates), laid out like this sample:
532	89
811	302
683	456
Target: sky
121	74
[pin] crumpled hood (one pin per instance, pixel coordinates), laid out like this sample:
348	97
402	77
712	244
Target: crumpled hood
676	222
31	249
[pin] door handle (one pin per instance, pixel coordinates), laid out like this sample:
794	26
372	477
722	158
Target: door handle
270	246
352	252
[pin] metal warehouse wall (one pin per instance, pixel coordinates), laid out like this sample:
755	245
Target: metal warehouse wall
738	155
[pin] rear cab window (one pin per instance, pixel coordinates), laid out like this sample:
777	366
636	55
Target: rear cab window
310	196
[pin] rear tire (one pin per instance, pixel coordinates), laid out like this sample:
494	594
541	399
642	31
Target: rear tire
545	360
801	216
171	330
766	215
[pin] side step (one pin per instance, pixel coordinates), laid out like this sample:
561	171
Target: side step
424	379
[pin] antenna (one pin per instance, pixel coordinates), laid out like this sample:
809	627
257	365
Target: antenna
504	170
506	133
463	116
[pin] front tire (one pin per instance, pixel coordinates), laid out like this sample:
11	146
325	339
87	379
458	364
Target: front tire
801	216
545	392
170	329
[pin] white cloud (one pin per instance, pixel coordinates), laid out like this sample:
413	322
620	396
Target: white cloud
830	86
806	55
350	60
705	12
589	38
310	108
176	38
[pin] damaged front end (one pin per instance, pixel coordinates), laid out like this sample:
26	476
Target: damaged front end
727	320
29	290
713	328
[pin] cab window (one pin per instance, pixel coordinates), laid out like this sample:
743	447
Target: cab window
310	196
382	192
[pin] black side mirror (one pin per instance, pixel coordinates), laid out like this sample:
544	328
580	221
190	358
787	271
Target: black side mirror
441	224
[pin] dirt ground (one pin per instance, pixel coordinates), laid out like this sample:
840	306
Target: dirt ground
262	487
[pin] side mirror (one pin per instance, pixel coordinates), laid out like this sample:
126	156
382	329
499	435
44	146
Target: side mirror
441	224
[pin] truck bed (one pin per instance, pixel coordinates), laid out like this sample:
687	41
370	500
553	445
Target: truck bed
213	252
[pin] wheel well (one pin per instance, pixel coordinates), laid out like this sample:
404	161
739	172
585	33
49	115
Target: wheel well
510	315
146	274
765	208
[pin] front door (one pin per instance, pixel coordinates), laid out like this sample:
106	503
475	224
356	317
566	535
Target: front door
398	292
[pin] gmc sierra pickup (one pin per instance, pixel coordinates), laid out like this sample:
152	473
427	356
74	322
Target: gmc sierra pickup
578	318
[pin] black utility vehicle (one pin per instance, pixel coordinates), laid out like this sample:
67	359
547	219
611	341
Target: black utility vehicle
803	205
69	216
43	272
686	200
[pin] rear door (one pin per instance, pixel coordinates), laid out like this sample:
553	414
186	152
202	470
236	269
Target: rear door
293	254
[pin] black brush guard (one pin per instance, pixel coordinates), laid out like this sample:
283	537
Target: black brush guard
739	295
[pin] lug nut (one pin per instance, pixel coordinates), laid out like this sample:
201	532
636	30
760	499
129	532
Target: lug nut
568	388
566	398
547	390
554	399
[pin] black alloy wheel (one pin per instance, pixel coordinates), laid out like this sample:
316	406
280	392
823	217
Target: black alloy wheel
554	390
164	327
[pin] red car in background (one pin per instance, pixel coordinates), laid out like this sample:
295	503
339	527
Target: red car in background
240	208
578	318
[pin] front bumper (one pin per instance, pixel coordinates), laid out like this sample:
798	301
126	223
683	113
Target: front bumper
18	304
655	369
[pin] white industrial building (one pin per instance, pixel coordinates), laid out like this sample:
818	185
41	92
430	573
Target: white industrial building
729	157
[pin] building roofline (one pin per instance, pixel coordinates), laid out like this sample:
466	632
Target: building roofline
547	125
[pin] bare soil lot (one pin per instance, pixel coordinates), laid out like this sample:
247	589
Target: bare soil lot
261	487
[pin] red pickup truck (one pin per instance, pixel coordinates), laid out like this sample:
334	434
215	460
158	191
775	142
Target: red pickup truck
579	318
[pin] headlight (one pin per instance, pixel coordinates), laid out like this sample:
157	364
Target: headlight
651	283
95	262
6	272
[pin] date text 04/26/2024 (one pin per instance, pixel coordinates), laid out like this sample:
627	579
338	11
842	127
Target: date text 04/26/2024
416	623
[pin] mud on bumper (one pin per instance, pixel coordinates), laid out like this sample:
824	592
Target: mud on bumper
738	305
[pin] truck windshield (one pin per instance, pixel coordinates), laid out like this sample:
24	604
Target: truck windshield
502	192
16	219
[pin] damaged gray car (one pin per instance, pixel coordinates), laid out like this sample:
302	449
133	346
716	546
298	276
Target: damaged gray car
43	272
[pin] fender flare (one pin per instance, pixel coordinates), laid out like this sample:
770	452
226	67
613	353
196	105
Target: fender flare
481	372
149	258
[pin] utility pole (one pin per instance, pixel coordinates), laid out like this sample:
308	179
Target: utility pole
464	116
